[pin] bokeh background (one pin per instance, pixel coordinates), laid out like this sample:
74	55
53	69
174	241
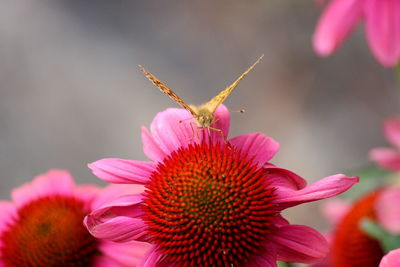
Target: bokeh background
71	92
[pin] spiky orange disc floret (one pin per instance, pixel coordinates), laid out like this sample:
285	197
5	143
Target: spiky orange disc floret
49	232
208	205
351	246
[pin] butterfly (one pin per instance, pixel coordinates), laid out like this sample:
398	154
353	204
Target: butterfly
203	114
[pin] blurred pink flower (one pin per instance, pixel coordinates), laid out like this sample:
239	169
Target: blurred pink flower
382	26
43	225
392	259
350	246
388	210
208	203
389	158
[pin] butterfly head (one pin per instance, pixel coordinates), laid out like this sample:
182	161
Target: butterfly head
204	118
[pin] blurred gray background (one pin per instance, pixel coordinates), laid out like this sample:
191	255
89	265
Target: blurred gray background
71	92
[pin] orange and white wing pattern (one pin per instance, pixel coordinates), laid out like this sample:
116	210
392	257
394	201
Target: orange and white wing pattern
163	88
217	100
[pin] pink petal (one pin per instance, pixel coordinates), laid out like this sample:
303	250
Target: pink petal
335	209
383	30
125	254
122	171
279	177
119	220
392	259
117	229
222	122
54	182
113	192
150	148
256	145
386	158
324	188
335	24
388	210
174	128
298	243
267	259
152	258
392	131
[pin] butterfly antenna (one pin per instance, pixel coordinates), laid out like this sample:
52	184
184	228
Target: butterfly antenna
239	111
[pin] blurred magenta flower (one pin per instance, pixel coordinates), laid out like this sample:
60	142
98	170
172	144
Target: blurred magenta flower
389	158
43	225
382	27
210	203
392	259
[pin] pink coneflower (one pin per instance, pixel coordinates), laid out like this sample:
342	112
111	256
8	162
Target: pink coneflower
208	202
389	158
382	26
43	225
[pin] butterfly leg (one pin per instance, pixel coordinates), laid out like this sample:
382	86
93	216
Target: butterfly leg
220	132
193	129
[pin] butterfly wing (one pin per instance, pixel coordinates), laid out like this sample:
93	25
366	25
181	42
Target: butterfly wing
163	88
217	100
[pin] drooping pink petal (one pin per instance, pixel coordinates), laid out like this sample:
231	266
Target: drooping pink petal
335	209
335	24
150	147
122	171
54	182
125	254
119	220
257	145
388	210
386	158
392	259
383	30
298	243
392	130
117	229
126	205
279	177
324	188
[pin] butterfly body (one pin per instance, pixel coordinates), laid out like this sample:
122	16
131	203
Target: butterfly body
203	114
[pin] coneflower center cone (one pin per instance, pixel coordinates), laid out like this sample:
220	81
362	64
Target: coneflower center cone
209	205
49	232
